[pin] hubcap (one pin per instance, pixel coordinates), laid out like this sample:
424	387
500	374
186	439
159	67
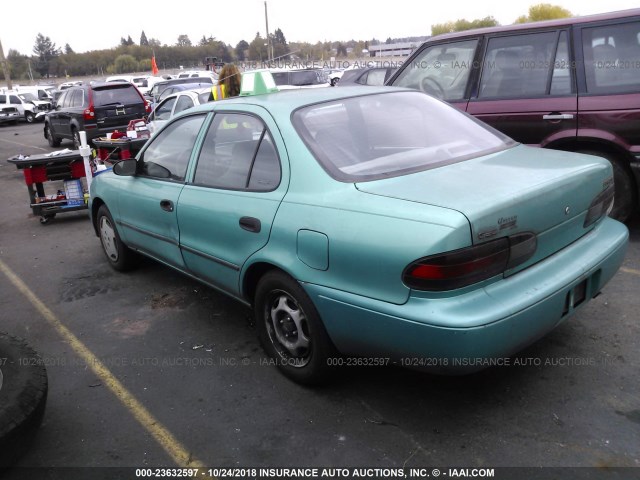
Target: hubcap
288	329
108	237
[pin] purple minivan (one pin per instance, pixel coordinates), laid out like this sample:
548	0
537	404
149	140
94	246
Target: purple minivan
570	84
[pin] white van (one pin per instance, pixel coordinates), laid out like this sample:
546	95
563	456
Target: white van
140	81
42	92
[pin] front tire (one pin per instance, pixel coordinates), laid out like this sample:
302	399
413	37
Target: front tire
291	331
120	257
625	196
29	117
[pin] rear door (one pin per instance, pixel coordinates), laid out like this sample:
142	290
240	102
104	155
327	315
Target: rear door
116	105
609	102
527	87
225	213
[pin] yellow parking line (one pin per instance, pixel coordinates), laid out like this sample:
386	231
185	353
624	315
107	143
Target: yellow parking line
167	441
630	270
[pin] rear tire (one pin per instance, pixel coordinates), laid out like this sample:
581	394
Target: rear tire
23	396
54	142
625	197
291	330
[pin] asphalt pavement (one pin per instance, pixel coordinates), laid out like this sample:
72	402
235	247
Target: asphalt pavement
151	369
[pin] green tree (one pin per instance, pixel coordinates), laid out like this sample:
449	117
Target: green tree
46	51
125	64
544	11
241	50
279	42
341	50
183	41
143	40
463	24
258	48
126	42
68	50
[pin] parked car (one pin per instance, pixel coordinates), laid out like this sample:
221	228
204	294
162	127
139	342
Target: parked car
569	84
176	103
155	94
9	114
198	73
98	109
379	222
302	78
139	81
29	107
366	76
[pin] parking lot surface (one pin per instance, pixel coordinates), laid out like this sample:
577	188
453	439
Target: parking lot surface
151	369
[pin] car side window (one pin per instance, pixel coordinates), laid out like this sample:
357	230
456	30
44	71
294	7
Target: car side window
376	77
441	70
168	154
237	154
183	103
77	99
612	58
14	100
517	65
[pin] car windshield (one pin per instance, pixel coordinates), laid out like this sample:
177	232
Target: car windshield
28	97
390	134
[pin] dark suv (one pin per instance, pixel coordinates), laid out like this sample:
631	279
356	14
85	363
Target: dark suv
98	109
571	84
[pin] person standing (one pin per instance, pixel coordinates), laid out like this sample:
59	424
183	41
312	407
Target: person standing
229	82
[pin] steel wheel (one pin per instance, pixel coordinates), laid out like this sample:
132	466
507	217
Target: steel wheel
108	239
287	327
119	255
291	330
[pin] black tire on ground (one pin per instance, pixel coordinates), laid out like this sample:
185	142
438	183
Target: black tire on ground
53	141
29	117
291	330
23	396
120	257
625	199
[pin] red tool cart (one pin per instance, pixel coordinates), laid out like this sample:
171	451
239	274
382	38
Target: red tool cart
39	169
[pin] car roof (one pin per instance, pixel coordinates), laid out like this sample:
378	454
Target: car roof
543	24
283	103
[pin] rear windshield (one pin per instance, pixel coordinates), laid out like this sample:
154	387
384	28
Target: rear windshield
116	94
390	134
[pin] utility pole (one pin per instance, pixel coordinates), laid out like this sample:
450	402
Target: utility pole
5	65
266	19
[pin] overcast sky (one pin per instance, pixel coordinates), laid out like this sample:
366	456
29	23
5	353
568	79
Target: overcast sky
100	25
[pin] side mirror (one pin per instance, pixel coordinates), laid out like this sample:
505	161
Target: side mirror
125	168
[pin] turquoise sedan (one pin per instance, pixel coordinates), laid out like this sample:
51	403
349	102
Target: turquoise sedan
367	226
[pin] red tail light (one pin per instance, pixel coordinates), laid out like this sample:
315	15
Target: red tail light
459	268
89	113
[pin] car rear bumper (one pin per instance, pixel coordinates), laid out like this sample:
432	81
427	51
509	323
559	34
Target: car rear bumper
460	334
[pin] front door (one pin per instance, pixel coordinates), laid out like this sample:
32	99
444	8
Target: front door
148	205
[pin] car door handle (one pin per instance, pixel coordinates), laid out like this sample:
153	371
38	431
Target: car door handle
166	205
558	116
250	224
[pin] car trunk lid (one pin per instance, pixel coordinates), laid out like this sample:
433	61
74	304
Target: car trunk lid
521	189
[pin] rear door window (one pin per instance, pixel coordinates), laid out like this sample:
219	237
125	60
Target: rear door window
612	58
518	65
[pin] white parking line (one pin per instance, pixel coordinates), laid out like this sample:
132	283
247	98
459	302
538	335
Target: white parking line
630	270
21	144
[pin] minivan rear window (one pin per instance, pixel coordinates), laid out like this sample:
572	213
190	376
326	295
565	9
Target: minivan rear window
117	94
